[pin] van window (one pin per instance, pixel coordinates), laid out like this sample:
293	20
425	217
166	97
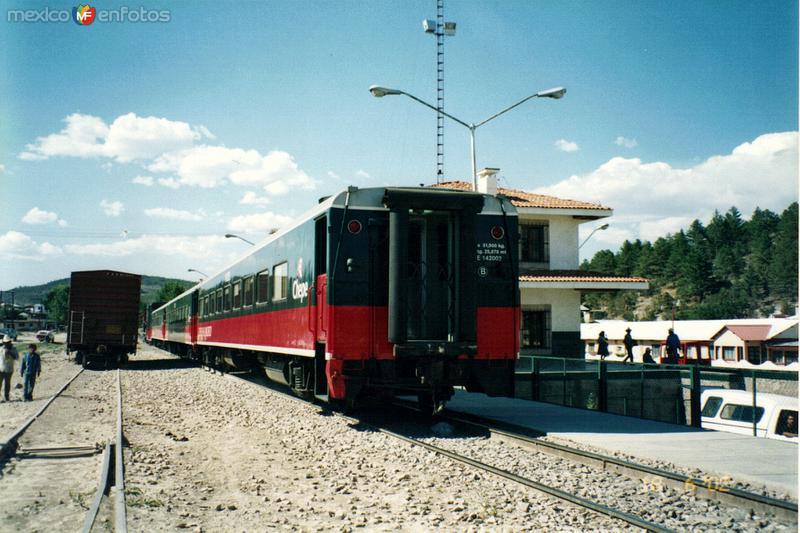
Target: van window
741	413
787	423
711	408
280	277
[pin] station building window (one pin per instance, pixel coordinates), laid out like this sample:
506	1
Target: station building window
536	331
280	277
534	243
262	286
247	291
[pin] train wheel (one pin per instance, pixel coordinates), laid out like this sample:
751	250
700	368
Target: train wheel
429	403
84	359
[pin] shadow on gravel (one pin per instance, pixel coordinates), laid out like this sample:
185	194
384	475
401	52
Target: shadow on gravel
159	364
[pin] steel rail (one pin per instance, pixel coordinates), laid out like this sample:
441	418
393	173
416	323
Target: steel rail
120	517
728	495
540	487
9	445
102	489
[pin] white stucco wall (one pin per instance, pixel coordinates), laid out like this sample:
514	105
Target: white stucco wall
564	304
563	232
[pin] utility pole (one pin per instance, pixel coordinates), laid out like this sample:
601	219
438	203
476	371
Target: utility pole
440	29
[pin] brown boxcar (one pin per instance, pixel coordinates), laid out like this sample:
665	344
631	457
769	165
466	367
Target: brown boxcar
103	316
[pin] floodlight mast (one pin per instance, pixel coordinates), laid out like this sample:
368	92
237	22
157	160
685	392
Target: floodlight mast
440	29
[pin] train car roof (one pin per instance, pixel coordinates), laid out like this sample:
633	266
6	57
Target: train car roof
353	197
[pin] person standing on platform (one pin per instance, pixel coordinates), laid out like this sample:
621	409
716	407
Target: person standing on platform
673	344
602	345
8	354
629	344
30	369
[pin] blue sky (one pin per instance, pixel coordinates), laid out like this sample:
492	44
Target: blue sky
255	110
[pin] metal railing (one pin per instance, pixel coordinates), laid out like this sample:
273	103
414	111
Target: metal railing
664	392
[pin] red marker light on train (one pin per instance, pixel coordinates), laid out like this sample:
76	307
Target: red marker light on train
354	227
497	232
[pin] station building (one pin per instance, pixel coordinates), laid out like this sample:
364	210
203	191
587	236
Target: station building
550	281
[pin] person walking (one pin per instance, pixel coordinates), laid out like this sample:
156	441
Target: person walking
673	344
30	369
629	344
8	354
602	345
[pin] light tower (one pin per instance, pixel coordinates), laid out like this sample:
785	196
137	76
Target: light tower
440	29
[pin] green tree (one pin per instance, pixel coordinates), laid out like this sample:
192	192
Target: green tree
783	269
56	303
170	290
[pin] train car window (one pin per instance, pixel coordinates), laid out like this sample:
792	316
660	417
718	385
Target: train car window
219	300
262	286
226	301
237	295
248	291
202	309
741	413
280	277
711	408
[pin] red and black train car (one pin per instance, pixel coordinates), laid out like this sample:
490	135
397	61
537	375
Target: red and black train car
380	290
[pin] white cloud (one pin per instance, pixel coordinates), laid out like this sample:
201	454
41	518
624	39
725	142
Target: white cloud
566	146
172	214
38	216
128	138
211	166
147	181
251	198
16	245
2	168
196	247
258	223
333	175
363	174
627	143
170	183
112	209
62	223
653	199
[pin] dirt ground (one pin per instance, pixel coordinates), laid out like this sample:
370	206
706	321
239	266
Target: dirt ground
45	493
210	453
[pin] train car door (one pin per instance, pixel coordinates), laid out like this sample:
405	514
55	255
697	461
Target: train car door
319	324
193	318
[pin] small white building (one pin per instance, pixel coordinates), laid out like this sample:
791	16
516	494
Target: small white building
736	342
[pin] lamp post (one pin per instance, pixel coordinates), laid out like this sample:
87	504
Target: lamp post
555	93
198	272
232	236
598	228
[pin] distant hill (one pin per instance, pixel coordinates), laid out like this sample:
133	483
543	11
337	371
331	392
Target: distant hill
36	294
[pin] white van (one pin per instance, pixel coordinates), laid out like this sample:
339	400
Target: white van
732	411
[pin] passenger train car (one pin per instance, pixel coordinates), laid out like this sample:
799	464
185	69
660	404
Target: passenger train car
377	291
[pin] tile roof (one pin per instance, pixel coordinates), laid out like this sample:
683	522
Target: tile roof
577	276
527	199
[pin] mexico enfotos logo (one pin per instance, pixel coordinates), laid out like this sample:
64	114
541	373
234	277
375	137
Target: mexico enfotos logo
85	15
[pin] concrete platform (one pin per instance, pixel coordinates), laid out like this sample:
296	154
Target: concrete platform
756	460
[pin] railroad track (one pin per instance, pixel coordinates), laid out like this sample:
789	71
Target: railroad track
23	459
733	496
542	488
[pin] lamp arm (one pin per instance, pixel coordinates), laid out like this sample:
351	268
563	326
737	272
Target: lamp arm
426	104
509	108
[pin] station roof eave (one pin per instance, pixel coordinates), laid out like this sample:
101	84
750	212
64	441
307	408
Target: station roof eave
580	280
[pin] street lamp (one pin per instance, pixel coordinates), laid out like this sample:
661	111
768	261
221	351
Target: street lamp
557	92
232	236
198	272
598	228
